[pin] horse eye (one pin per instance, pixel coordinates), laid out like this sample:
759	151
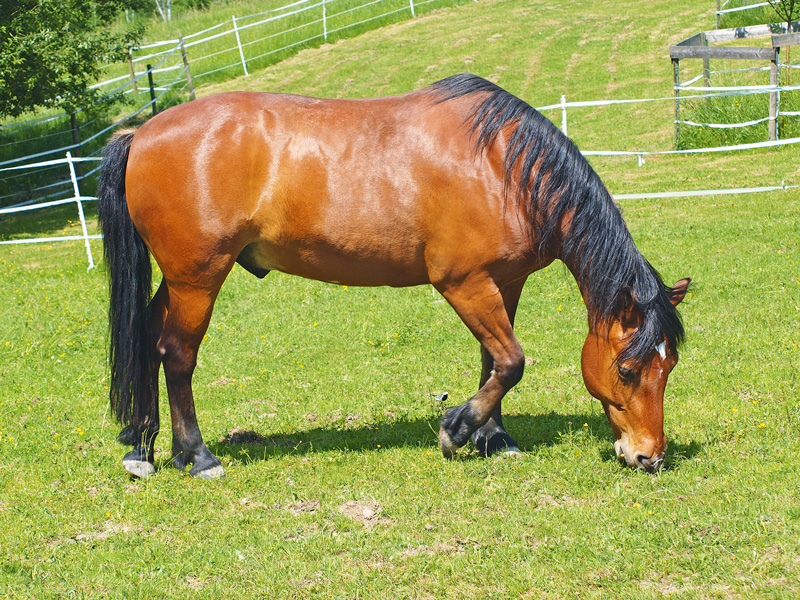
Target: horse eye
626	374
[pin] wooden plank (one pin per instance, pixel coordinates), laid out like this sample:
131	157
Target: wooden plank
698	39
781	40
738	33
681	52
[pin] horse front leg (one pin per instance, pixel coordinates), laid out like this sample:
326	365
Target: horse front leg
186	324
493	437
481	306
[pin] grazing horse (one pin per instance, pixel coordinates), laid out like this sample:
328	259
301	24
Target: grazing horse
460	185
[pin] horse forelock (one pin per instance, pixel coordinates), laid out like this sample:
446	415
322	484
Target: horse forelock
577	217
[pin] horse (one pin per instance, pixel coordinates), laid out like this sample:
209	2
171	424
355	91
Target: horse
460	185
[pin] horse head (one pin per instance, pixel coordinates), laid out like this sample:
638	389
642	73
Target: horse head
631	391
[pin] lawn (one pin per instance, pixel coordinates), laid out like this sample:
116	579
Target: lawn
320	400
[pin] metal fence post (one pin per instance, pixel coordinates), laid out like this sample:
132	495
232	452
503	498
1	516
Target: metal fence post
239	43
152	89
564	115
80	211
411	3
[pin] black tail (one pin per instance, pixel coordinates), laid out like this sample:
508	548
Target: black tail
130	284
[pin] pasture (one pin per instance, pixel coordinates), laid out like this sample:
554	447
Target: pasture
320	400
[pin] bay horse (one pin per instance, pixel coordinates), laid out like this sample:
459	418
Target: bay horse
460	185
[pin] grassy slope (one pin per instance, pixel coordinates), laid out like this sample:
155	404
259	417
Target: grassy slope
339	381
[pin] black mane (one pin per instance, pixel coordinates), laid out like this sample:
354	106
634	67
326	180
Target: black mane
557	182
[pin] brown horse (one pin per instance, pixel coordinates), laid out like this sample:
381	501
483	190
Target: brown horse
460	185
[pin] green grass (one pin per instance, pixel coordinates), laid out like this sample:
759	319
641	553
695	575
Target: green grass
338	382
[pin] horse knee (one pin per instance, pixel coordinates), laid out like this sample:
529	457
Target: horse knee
510	369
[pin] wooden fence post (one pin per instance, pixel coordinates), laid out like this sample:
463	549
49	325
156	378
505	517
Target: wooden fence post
186	66
133	74
773	97
152	89
676	81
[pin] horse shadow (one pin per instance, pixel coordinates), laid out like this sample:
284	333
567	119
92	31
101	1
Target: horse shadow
532	433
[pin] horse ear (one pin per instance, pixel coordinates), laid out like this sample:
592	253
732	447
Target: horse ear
626	309
678	292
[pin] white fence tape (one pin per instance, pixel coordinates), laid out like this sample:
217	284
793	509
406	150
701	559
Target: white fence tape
77	198
740	8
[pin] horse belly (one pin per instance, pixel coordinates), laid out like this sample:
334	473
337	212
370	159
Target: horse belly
328	260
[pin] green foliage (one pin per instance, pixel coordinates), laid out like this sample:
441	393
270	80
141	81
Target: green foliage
51	51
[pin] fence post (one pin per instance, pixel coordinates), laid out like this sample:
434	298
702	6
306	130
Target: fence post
239	43
564	115
152	89
411	3
186	66
80	211
773	97
73	122
133	73
324	20
717	14
706	63
676	71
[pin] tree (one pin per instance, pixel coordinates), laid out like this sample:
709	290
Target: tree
788	10
51	51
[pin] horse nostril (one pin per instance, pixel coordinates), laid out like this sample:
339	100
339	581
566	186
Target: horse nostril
651	465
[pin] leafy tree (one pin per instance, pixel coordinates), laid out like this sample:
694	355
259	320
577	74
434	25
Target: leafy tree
788	10
52	50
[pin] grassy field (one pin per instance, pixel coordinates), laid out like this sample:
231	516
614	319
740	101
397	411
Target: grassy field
320	399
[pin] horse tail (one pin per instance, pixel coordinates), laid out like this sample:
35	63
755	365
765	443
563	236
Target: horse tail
130	284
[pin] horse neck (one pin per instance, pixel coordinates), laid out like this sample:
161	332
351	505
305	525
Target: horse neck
596	246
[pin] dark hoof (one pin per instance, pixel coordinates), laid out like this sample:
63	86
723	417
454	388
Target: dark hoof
492	439
204	464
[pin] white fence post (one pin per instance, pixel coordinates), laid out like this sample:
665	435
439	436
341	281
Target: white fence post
411	3
564	115
80	210
239	43
324	21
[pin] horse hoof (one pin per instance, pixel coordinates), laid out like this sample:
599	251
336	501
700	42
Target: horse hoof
214	472
508	452
139	468
447	444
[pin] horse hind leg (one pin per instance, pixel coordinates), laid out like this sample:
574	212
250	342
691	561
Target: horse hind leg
141	434
480	305
186	324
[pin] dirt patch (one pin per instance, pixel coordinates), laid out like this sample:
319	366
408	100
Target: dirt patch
221	381
365	512
305	507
